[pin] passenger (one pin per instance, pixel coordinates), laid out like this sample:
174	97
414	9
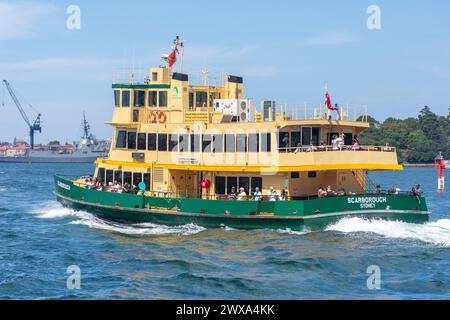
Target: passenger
394	190
330	192
417	190
126	188
341	192
320	192
378	189
284	195
299	148
387	147
355	145
101	186
272	194
334	143
89	184
232	195
242	194
257	194
133	189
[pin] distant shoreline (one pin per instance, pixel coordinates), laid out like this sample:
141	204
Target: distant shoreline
418	165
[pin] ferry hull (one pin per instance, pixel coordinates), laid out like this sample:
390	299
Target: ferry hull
135	209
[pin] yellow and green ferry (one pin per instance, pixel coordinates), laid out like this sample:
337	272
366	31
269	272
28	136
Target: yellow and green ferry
202	153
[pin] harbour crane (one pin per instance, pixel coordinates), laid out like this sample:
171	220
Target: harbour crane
36	126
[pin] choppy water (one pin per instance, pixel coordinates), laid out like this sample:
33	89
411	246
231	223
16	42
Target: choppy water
39	239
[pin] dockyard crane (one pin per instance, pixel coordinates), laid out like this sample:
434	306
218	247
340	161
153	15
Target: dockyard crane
36	126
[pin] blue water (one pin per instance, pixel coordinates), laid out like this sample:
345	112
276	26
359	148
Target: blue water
39	240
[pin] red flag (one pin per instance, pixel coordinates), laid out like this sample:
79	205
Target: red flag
172	58
328	102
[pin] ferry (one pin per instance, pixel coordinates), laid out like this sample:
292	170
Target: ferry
203	153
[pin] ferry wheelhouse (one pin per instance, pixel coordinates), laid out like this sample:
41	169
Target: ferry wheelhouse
191	146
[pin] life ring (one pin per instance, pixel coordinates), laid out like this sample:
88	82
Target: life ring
152	117
162	117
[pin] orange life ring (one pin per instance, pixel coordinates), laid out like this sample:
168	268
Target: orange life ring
152	117
162	117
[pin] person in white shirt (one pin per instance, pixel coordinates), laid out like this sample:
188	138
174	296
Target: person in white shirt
272	194
257	194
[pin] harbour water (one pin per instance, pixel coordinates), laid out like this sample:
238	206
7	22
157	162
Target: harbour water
40	239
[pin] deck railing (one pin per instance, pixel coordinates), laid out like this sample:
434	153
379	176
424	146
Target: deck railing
336	148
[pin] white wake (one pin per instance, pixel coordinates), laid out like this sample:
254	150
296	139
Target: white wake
437	232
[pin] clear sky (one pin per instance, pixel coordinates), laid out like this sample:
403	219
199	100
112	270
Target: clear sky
285	50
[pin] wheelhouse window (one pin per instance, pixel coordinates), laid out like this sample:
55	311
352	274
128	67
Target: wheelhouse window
139	98
163	99
217	143
173	142
191	100
141	141
152	98
151	142
253	142
117	98
230	143
162	142
266	142
125	98
132	140
206	143
200	99
121	141
241	143
195	143
135	115
154	76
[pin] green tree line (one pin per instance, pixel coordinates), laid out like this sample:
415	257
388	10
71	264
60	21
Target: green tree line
418	140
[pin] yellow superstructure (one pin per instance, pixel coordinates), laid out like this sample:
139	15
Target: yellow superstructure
172	135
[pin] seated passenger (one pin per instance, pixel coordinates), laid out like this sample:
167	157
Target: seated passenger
232	195
242	194
321	193
330	192
126	188
394	190
273	194
284	195
257	194
417	190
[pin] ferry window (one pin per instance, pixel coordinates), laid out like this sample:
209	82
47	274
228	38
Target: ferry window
295	175
162	142
183	142
125	98
244	182
283	140
127	177
253	142
315	136
101	174
195	143
163	98
135	115
217	143
257	182
121	141
151	142
154	76
200	99
230	143
266	142
241	143
116	98
306	136
137	178
139	98
191	100
141	141
132	140
206	144
231	182
173	142
312	174
219	185
118	176
109	176
147	181
296	138
152	98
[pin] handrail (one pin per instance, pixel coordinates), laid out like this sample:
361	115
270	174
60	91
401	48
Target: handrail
325	148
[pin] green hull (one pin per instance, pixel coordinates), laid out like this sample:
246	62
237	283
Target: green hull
295	215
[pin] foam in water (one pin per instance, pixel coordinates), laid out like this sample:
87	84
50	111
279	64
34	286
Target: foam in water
53	210
437	232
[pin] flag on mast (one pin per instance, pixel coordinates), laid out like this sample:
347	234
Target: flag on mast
172	58
328	99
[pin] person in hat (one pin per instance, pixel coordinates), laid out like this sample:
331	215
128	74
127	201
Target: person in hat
232	195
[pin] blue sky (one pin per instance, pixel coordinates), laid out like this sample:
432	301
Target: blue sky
284	49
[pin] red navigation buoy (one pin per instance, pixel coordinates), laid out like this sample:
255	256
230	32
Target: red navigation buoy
439	163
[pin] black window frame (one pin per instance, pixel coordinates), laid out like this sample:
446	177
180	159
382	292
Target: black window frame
266	142
232	184
162	99
253	147
118	176
139	95
117	98
220	187
173	142
206	143
229	143
195	140
109	176
133	145
241	142
256	182
126	95
147	179
152	98
152	142
122	137
141	144
137	174
217	142
127	177
162	142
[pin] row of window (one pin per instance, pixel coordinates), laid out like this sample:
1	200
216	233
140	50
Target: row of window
132	178
194	142
155	98
223	185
